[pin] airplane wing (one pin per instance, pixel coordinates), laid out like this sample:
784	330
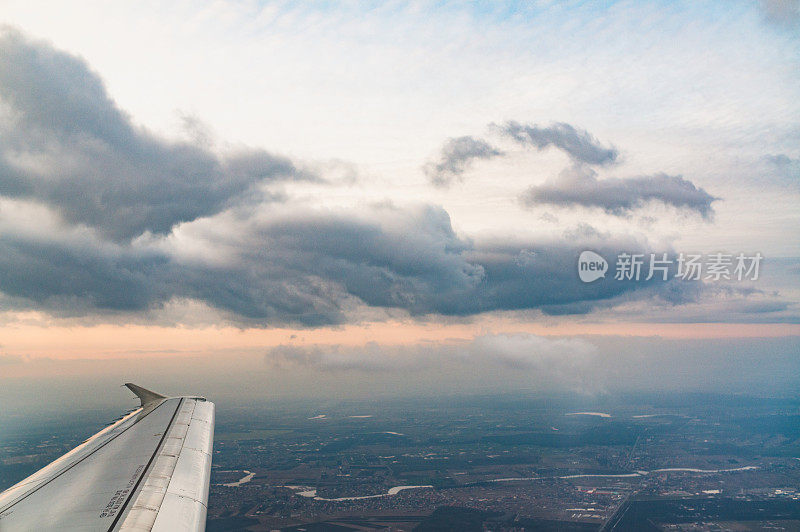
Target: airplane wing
149	471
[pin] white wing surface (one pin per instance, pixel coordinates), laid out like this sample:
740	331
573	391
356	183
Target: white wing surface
149	471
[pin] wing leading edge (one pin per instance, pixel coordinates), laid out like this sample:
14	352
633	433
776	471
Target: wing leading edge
149	471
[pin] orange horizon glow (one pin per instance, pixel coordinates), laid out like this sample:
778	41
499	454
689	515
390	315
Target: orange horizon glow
108	341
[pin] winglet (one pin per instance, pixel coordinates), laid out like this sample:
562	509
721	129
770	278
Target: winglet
145	396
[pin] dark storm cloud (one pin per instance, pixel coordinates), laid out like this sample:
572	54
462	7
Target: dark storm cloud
580	145
311	268
145	223
64	142
456	156
79	274
306	266
544	276
413	260
579	186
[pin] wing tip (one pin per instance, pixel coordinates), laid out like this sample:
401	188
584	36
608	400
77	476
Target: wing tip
145	396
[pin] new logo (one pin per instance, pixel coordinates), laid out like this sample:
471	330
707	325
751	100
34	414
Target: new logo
591	266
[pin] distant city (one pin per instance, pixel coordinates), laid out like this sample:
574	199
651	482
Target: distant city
674	462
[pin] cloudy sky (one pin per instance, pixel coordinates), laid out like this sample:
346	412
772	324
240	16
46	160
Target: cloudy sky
330	193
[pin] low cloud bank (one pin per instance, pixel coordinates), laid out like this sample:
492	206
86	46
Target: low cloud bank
553	363
579	186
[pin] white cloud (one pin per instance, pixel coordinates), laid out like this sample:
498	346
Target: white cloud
547	363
